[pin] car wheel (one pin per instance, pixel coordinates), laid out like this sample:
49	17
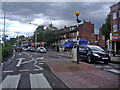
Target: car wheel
89	59
106	62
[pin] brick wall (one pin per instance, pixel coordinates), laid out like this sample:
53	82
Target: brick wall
87	31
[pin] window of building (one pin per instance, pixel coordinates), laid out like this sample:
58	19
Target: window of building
119	13
119	26
73	34
64	36
114	15
103	38
115	28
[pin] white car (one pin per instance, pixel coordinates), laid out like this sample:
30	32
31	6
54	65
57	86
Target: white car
41	50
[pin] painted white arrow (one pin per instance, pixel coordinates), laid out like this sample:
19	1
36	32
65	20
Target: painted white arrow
33	60
19	62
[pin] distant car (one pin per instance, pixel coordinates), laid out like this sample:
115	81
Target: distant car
31	49
41	50
24	49
93	53
18	48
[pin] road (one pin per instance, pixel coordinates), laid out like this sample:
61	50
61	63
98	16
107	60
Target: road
28	70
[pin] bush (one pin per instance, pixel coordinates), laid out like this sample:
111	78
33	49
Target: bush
6	51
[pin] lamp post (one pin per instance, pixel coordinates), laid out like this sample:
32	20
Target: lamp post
35	34
4	38
77	13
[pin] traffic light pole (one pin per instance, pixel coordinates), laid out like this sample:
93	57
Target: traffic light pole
78	21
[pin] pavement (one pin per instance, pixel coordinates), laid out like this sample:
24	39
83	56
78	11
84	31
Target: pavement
84	75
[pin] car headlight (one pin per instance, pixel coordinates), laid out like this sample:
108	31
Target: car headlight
95	54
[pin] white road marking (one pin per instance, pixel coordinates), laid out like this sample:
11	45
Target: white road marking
114	71
20	54
7	71
28	61
39	81
33	60
99	66
19	62
11	81
41	63
24	70
38	66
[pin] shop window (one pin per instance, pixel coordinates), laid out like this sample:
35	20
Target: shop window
114	15
64	36
119	26
103	38
115	28
73	34
119	13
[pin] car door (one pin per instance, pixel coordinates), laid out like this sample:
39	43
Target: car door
81	50
85	52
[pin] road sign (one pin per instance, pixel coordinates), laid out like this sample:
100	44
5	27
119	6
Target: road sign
4	39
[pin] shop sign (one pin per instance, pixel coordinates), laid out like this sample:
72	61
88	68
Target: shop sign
116	36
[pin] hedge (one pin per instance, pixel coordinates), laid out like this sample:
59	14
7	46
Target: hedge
6	51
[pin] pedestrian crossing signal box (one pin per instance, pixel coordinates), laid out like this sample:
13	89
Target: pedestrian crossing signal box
74	54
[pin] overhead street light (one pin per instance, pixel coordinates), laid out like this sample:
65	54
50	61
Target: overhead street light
35	34
77	13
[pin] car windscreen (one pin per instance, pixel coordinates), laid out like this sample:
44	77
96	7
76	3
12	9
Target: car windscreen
96	48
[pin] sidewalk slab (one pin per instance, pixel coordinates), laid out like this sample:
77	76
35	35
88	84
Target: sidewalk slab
115	59
84	75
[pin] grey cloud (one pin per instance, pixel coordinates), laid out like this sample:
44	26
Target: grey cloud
27	11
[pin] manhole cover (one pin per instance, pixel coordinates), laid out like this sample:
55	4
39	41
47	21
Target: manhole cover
74	68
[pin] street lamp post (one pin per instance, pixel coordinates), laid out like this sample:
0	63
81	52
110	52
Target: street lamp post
77	13
35	35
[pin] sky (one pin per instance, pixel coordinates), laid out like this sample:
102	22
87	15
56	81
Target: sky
20	14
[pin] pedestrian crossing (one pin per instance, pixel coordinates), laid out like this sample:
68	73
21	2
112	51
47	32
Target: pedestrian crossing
36	81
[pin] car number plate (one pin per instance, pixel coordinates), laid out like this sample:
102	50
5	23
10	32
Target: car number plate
104	58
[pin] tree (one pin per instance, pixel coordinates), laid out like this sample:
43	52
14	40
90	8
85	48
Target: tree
49	35
106	28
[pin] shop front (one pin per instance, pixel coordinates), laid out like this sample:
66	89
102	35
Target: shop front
116	42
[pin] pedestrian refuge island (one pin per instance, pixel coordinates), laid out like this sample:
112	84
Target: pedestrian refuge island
74	54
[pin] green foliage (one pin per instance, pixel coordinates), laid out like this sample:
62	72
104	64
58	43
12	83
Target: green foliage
6	51
49	35
106	28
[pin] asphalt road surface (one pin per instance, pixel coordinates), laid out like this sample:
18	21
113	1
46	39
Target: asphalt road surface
27	70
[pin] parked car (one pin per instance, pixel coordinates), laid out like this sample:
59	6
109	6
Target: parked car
93	53
18	48
41	50
31	49
24	49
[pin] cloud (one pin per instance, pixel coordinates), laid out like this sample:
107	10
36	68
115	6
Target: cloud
59	13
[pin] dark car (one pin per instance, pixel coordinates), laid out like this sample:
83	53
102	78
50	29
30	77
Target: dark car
18	48
93	53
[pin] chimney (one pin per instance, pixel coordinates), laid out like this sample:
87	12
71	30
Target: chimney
65	27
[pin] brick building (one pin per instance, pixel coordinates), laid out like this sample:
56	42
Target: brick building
115	26
86	31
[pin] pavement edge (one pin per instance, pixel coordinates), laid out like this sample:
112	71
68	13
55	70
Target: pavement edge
68	86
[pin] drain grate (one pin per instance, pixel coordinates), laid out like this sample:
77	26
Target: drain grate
74	68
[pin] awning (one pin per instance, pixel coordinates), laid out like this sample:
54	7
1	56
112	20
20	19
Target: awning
68	45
